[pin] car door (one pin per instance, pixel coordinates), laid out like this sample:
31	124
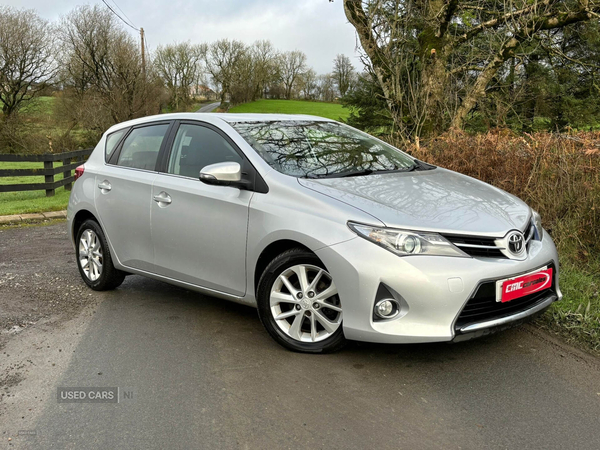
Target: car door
199	230
124	194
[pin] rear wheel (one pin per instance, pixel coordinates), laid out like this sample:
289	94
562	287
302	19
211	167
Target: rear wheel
299	305
94	259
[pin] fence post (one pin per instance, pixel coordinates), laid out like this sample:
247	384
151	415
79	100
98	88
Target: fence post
49	178
67	174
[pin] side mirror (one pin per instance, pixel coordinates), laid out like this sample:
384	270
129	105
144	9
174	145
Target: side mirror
223	174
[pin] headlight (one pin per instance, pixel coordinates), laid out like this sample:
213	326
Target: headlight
537	223
404	242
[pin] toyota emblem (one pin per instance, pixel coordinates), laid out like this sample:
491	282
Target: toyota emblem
516	243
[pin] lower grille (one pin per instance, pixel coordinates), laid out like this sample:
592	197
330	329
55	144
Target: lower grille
483	306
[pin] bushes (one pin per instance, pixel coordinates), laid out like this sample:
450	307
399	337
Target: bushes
40	128
559	176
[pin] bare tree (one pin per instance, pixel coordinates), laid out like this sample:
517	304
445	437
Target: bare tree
266	67
180	68
342	73
244	78
292	65
101	70
222	58
308	83
435	59
27	61
325	87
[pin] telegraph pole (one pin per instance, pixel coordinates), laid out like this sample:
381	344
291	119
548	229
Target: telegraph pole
144	70
143	52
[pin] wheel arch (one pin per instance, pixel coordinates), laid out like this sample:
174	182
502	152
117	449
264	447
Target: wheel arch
271	251
80	217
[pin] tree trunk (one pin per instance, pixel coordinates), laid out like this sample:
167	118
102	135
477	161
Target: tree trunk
433	85
477	92
433	56
528	112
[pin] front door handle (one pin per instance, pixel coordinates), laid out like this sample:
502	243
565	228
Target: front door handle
162	197
104	186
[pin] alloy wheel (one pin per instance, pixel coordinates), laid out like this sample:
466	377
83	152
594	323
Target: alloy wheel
305	304
90	255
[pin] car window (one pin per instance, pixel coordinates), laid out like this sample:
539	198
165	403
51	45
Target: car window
196	147
141	147
112	140
320	149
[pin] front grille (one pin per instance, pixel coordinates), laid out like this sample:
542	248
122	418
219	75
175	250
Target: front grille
483	306
485	247
476	246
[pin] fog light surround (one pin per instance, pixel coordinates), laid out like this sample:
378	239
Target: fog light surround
387	308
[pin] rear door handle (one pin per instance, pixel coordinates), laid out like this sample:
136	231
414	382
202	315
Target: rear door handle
105	186
162	197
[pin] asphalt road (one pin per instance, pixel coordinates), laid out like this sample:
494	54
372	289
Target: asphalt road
209	107
202	373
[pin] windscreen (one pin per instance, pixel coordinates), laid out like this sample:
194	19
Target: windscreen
315	149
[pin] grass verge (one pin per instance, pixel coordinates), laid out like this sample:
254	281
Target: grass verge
30	201
577	316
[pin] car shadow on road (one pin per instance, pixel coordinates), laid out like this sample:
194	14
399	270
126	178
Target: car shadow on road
208	368
245	317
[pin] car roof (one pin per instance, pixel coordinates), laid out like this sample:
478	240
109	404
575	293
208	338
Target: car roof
255	117
226	117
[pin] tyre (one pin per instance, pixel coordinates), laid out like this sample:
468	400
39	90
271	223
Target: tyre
94	260
299	305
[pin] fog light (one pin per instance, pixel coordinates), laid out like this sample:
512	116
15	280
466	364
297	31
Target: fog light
385	309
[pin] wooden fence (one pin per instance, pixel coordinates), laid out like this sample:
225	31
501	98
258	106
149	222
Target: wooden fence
70	160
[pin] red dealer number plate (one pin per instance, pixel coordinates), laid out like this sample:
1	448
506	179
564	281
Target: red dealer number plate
517	287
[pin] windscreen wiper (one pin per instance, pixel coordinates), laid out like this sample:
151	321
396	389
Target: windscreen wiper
358	173
420	165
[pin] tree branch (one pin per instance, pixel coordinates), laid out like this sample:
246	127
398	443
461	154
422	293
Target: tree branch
493	23
447	12
507	50
357	17
466	68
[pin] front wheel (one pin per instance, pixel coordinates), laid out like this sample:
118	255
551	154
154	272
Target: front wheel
94	259
299	305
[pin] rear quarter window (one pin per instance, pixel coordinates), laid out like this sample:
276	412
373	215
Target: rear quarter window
111	142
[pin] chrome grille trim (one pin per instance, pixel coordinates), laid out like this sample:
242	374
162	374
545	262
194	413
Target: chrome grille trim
492	247
476	246
530	235
495	249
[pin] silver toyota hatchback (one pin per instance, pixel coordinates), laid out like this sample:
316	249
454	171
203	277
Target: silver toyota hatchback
331	233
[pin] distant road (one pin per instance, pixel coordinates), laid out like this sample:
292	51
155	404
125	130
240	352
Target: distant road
209	107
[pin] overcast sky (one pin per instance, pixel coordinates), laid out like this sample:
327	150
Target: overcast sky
317	27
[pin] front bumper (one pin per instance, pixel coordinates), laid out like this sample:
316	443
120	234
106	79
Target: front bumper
431	290
484	328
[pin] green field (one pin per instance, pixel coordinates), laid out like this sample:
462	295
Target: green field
30	201
329	110
37	114
39	107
